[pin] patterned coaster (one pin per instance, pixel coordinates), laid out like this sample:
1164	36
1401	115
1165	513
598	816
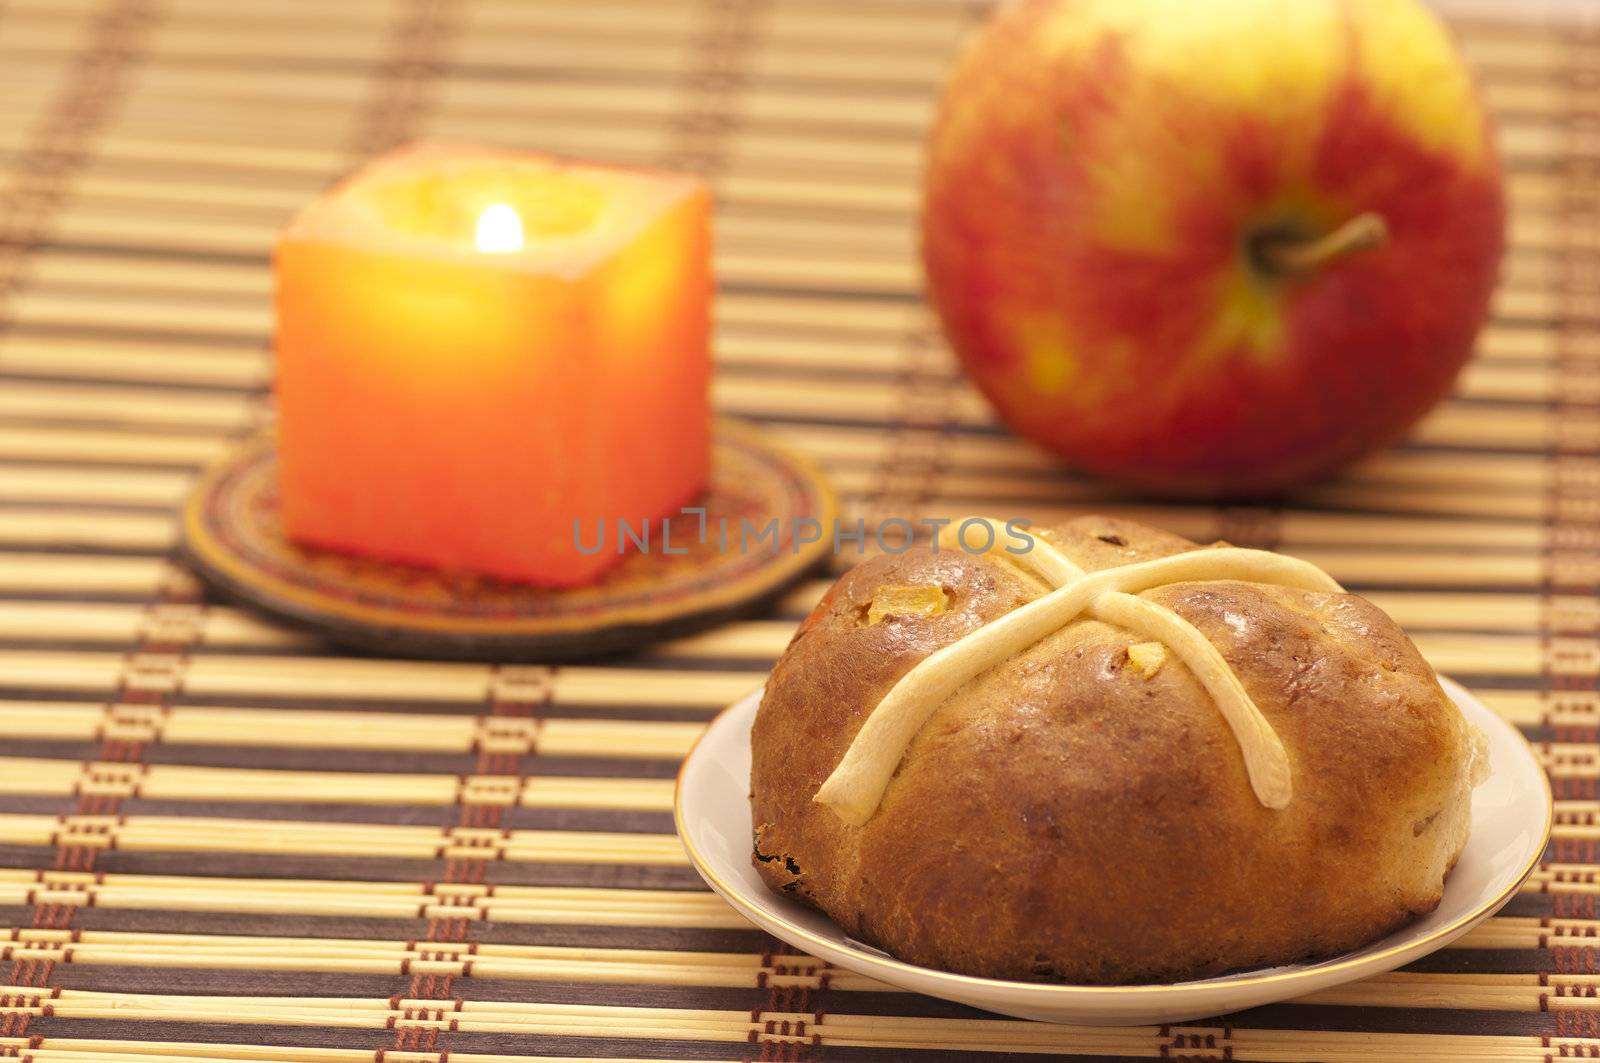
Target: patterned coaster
232	537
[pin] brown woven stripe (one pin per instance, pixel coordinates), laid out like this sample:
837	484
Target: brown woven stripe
56	147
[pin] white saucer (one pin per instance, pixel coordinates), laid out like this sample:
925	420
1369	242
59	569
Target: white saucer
1511	815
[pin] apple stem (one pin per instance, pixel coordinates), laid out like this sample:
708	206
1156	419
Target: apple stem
1360	233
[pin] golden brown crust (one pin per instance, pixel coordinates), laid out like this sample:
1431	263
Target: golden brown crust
1064	817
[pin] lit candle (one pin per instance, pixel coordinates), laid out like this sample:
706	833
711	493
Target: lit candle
477	349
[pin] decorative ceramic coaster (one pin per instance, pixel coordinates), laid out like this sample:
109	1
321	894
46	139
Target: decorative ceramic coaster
232	536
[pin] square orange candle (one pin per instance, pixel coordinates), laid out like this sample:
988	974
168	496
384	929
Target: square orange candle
476	349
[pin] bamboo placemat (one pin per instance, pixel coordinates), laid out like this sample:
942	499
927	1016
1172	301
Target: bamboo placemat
222	840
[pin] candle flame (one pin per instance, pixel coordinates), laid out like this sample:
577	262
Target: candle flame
499	229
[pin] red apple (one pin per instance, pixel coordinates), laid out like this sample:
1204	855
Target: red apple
1212	248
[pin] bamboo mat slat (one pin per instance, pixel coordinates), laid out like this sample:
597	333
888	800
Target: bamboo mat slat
223	840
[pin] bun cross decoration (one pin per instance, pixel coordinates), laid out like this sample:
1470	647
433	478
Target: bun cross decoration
857	785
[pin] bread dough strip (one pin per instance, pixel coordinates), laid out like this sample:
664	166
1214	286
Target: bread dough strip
857	784
1265	759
